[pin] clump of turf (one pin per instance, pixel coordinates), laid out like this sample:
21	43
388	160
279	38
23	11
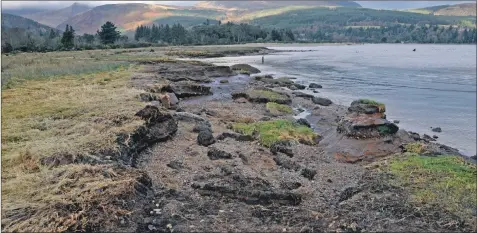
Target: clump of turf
381	106
414	147
278	109
447	181
270	132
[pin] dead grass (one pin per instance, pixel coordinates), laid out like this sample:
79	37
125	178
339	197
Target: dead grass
78	115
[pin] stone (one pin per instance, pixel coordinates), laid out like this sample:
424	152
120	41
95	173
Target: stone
215	154
303	95
205	138
360	125
304	122
283	147
189	89
201	126
263	95
435	136
321	101
308	173
437	129
314	85
396	121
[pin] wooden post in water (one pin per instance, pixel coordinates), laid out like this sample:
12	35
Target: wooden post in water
263	59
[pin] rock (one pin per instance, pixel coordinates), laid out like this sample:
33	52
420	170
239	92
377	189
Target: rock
474	157
437	129
168	100
188	89
175	164
435	136
361	125
146	97
348	192
321	101
201	126
173	100
299	86
314	85
262	77
428	138
263	95
315	91
265	118
304	122
303	95
224	81
285	162
283	147
308	173
396	121
236	136
245	67
358	107
293	87
215	154
414	136
205	138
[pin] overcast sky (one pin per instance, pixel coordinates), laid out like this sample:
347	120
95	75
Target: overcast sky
61	4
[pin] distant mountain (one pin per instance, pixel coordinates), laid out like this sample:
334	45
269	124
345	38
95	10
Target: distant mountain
129	16
15	21
261	5
464	9
53	18
17	30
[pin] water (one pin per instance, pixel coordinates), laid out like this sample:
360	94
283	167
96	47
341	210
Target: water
435	86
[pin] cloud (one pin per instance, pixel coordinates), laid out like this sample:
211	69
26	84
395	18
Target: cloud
62	4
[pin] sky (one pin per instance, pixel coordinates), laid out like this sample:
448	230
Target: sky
62	4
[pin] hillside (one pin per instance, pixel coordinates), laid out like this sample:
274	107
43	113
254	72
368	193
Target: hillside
14	21
55	17
129	16
345	16
261	5
464	9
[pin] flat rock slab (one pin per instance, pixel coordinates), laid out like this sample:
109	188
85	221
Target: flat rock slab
245	67
360	125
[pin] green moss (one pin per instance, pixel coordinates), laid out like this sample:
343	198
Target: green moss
445	180
266	93
270	132
414	147
278	108
381	106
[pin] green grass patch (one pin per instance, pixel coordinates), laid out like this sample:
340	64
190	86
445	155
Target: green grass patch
381	106
445	180
270	132
275	108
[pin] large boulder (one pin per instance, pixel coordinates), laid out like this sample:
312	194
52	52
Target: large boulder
205	138
321	101
263	95
218	71
361	125
367	107
245	67
303	95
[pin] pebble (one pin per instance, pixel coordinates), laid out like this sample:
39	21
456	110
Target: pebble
151	227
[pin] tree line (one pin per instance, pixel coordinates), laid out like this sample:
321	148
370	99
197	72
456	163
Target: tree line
206	34
391	34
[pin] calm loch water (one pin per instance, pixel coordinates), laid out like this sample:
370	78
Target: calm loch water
434	86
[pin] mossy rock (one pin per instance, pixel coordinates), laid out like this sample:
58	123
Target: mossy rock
224	81
270	132
278	109
263	95
245	68
367	106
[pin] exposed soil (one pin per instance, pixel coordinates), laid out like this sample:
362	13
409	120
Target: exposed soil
235	184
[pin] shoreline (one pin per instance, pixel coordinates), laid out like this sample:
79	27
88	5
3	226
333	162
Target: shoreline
188	145
463	152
